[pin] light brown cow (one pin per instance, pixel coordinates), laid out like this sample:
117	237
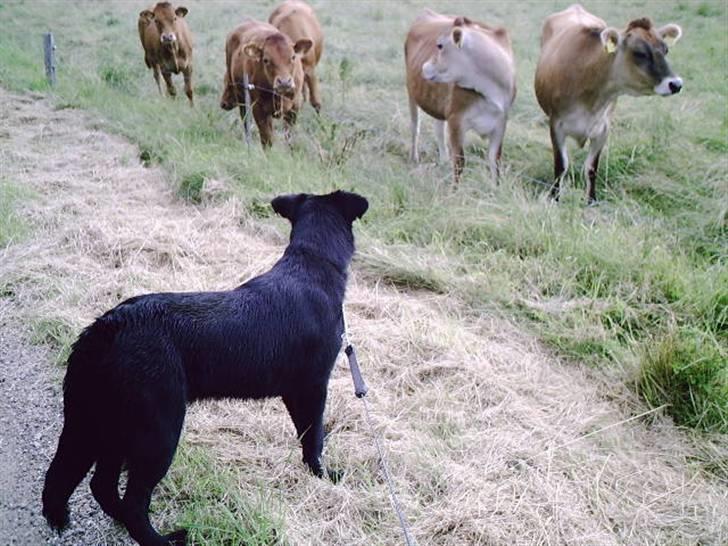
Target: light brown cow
460	72
298	21
273	65
167	43
584	66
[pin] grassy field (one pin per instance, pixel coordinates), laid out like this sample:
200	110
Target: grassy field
634	290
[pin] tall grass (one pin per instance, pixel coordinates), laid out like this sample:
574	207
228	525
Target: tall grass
597	284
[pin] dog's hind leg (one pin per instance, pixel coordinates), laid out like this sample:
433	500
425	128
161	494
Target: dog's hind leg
71	463
105	485
307	412
159	424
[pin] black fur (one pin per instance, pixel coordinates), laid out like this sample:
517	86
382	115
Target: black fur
132	372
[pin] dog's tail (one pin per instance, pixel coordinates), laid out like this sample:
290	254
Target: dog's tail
79	441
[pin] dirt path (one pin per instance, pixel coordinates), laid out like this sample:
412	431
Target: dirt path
483	426
30	385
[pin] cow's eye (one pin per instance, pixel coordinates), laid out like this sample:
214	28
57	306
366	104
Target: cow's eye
439	46
265	61
293	57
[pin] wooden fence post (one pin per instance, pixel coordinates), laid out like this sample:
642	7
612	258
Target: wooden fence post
49	49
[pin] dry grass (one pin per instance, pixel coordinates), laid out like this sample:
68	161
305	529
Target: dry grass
481	424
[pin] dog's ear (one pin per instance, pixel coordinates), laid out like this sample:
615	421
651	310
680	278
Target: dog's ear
288	205
351	205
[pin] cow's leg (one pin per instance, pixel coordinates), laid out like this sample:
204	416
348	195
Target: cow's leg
171	91
264	121
155	71
596	145
187	74
495	147
440	138
561	158
415	126
313	88
457	137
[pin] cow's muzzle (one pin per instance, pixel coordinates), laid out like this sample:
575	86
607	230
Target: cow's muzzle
168	38
669	86
285	87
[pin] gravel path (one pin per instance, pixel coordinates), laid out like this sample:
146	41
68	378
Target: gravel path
30	384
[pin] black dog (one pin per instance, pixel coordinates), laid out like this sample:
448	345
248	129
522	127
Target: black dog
133	370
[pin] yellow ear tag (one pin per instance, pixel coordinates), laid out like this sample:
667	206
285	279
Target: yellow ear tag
610	46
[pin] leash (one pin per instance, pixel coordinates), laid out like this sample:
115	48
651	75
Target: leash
360	391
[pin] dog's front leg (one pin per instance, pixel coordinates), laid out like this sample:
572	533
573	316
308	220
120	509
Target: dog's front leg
306	409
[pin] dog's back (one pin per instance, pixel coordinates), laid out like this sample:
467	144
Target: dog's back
132	371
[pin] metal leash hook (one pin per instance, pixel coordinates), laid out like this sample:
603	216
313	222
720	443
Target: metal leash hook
360	390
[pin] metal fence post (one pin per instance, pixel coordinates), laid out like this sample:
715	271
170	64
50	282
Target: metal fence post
49	49
248	112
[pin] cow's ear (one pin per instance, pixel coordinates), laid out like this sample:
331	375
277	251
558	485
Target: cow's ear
146	15
670	33
458	36
288	205
181	11
611	38
302	46
253	50
351	205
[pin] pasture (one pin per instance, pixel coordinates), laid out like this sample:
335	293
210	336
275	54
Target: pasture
495	327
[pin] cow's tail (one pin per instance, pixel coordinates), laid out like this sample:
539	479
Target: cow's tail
79	442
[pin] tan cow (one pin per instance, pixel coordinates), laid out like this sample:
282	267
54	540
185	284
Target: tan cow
298	21
273	65
584	66
460	72
167	43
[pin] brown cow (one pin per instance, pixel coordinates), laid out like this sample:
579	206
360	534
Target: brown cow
167	44
297	20
273	65
460	72
584	66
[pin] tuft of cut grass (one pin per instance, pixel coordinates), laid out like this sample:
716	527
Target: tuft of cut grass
57	334
687	371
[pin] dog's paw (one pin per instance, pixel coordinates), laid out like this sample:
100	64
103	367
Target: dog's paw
178	538
57	517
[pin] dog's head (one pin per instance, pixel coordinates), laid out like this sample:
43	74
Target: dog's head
349	205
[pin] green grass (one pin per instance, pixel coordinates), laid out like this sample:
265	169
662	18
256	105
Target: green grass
12	225
55	333
687	372
213	509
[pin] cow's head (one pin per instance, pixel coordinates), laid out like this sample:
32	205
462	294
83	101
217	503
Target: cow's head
448	64
640	57
281	61
165	17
